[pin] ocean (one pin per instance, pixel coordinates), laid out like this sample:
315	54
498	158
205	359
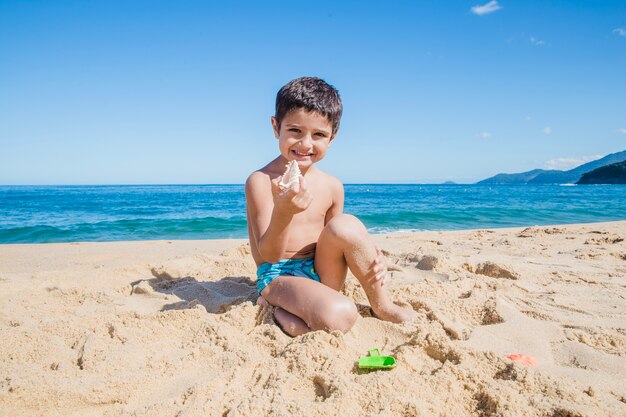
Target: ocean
44	214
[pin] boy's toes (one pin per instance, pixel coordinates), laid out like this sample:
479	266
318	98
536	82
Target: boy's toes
262	302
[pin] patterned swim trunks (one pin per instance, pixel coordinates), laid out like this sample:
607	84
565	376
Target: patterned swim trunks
297	267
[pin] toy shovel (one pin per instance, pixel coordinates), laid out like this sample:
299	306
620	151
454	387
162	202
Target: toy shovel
375	361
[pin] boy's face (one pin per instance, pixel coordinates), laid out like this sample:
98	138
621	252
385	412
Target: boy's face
303	136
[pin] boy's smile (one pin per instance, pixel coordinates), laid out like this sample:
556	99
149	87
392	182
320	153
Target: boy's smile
303	136
301	154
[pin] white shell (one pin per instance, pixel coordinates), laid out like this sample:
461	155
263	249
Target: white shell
291	176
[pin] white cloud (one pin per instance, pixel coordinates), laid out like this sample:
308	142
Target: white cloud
490	7
547	130
536	41
622	130
485	135
620	31
569	163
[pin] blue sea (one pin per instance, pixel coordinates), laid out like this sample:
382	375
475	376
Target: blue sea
42	214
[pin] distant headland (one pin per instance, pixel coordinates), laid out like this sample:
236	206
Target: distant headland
609	174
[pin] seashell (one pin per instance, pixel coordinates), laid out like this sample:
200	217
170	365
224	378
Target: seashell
291	176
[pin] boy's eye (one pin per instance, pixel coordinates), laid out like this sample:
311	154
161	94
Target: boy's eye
293	129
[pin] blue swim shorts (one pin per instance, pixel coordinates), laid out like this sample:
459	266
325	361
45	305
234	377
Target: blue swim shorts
297	267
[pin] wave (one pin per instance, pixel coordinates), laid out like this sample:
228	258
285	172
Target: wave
130	229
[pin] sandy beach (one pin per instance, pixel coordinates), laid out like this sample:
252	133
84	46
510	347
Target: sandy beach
170	328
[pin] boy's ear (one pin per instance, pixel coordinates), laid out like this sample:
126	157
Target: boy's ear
275	126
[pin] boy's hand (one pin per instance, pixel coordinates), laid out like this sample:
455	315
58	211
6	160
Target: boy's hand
380	266
293	200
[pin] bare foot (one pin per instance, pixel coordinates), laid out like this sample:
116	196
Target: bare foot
288	323
394	313
262	302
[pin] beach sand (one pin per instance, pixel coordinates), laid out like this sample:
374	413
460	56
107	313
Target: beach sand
170	328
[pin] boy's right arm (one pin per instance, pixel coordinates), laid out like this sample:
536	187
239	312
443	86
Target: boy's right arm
270	212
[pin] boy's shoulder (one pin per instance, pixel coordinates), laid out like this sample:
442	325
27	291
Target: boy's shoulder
258	179
266	173
258	175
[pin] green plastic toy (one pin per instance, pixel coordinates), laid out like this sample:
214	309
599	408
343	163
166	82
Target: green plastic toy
375	361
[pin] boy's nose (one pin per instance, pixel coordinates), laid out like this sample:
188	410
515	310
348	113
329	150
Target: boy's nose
307	140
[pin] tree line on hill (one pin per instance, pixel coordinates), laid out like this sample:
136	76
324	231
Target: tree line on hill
608	174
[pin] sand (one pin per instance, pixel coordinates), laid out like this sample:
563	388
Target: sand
170	328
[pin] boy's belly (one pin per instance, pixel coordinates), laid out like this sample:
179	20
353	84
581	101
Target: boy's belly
303	241
305	251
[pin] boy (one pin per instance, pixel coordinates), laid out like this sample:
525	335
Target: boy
300	239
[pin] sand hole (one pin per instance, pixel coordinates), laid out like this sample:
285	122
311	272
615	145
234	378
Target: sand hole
621	256
490	315
364	310
562	412
486	405
508	373
323	389
465	295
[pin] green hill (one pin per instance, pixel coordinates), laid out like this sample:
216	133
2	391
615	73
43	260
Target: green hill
542	176
609	174
507	179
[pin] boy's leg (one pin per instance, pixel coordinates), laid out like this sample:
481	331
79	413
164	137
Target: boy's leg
344	243
307	304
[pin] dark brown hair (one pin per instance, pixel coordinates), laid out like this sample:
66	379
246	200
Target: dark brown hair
310	94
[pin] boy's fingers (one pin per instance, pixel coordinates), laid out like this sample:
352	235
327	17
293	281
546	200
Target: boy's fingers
277	187
379	255
302	183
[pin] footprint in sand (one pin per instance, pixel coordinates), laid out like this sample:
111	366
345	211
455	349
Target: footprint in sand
536	231
493	270
604	240
428	263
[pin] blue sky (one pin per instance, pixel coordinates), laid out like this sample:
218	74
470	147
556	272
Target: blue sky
128	92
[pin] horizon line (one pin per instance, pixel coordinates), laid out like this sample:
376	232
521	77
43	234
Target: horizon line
221	183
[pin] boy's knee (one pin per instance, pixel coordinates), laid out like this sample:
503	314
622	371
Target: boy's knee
340	316
346	228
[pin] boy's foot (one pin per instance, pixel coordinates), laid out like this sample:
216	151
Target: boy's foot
394	313
288	323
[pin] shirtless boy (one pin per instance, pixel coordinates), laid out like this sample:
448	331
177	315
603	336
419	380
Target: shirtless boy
300	239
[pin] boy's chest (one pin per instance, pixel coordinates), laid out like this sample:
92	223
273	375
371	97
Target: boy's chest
320	204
